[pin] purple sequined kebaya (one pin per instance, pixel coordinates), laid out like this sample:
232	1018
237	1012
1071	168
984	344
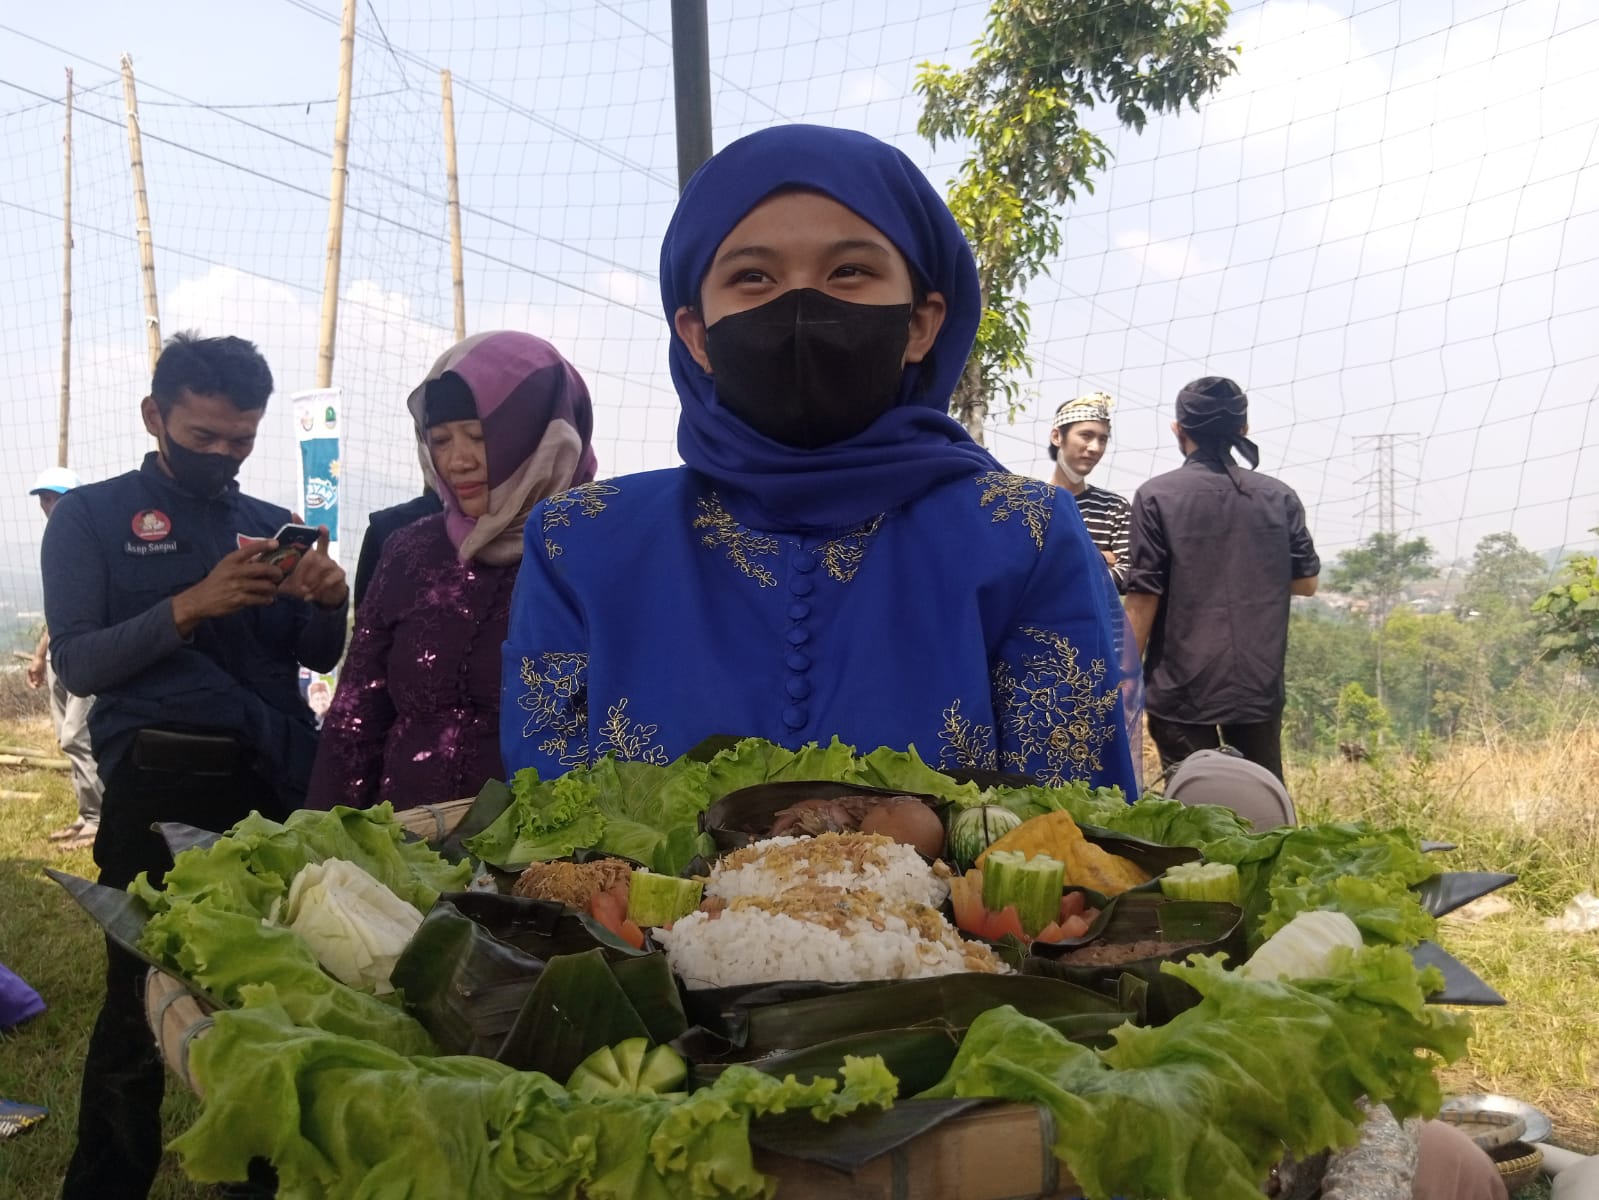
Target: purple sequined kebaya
415	719
416	716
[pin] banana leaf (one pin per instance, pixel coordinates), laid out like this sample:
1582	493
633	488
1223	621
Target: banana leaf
463	984
790	1016
747	815
1149	917
1153	857
918	1055
491	802
1445	892
123	917
575	1007
1462	985
849	1145
469	972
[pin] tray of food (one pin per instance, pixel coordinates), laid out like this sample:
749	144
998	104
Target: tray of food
769	969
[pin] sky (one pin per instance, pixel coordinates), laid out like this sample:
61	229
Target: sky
1387	222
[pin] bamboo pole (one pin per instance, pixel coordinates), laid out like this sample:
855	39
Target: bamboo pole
66	288
141	212
457	271
341	175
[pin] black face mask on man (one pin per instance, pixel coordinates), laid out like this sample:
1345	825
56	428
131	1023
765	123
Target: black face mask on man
206	475
808	370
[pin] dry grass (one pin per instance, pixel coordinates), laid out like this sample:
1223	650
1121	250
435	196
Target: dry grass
1531	810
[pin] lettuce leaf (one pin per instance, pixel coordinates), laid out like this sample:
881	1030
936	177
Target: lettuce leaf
251	868
340	1117
755	761
1216	1093
641	811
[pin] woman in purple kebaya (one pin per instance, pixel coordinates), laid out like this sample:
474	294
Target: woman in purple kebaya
502	422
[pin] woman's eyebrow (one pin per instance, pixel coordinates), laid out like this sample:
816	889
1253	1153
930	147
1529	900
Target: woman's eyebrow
844	246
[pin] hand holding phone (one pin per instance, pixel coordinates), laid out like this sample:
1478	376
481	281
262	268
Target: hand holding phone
294	542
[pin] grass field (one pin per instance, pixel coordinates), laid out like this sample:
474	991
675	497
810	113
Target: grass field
1511	809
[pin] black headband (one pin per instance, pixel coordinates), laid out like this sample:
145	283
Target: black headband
447	398
1213	411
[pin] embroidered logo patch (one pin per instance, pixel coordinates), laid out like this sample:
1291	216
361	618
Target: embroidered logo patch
151	525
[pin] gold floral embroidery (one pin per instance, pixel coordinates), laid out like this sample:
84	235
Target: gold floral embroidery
587	499
842	556
965	744
629	740
555	697
743	546
1016	495
1057	714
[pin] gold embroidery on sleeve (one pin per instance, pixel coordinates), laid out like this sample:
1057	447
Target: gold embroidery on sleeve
555	697
743	546
965	744
587	499
629	740
1056	713
1015	495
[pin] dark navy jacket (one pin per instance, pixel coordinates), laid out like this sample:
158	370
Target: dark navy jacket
115	553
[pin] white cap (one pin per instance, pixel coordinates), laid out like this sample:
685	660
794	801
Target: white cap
59	480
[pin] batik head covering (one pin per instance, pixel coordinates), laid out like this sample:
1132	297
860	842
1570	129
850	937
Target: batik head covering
537	425
910	449
1094	406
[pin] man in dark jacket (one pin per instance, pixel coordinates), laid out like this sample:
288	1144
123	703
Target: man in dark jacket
1216	552
159	605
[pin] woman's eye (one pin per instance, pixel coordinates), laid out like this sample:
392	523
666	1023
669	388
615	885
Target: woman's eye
850	271
750	276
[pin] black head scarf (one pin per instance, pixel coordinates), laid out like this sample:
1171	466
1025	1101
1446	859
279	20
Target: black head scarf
1213	412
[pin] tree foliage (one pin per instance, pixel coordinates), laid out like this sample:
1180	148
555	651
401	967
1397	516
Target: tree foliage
1380	568
1039	69
1569	612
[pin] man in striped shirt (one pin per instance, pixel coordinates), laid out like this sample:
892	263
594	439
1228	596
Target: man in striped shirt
1077	442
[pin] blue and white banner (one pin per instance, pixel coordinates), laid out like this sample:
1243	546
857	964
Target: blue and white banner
316	427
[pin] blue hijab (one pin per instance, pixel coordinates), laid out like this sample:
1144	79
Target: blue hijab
910	449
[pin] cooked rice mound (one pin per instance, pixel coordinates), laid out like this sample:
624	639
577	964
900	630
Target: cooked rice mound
819	933
840	908
847	861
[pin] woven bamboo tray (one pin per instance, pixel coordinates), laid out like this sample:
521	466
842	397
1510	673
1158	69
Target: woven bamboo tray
999	1152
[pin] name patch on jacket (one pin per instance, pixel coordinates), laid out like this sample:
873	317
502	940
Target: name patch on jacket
147	549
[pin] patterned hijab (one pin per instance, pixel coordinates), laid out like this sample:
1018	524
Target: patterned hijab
537	424
910	449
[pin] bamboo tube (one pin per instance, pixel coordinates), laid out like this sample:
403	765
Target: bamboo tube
457	271
66	288
141	212
341	176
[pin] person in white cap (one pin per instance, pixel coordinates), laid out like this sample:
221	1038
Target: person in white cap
70	713
1078	439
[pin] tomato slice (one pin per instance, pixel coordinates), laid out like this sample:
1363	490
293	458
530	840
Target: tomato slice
998	924
966	897
609	908
1071	904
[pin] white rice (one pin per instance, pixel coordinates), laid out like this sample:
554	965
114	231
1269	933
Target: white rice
851	861
749	943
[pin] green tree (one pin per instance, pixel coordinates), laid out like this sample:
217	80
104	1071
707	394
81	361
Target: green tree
1325	652
1504	576
1379	569
1361	716
1569	612
1040	66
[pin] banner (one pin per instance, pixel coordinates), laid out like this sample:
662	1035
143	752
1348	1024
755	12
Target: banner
316	427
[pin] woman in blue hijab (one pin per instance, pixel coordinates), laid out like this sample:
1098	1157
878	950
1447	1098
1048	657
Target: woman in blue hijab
836	557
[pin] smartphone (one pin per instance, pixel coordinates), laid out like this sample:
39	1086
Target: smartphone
294	543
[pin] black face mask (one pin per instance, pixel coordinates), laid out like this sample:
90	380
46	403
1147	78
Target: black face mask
206	475
807	370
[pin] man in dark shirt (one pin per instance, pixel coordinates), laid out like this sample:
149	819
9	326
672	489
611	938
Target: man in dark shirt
1215	555
1077	441
158	605
378	528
